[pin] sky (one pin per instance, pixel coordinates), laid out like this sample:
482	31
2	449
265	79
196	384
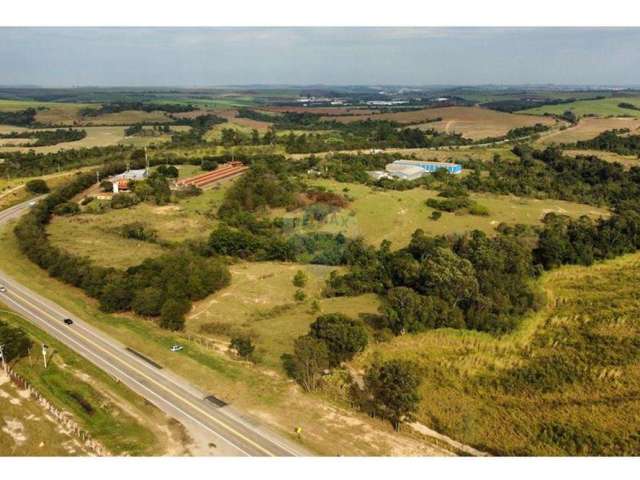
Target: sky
203	57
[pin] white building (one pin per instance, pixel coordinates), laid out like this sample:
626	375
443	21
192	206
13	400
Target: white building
404	172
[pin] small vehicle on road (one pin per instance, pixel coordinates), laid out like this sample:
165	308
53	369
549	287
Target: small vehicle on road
32	204
176	348
3	289
68	321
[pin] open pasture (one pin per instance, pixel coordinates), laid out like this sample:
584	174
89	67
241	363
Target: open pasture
96	235
259	303
395	215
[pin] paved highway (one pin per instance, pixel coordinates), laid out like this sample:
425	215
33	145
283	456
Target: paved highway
206	419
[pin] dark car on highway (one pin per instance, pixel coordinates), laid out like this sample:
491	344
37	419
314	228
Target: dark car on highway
68	321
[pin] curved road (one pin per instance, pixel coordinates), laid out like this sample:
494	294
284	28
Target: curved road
208	420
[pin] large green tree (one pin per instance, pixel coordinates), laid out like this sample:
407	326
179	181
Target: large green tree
393	387
343	336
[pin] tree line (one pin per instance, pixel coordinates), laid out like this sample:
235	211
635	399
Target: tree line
48	137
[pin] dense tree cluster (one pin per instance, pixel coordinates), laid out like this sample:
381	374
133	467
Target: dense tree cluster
617	141
48	137
117	107
20	118
470	281
15	340
332	340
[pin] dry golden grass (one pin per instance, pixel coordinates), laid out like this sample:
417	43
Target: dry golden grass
471	122
588	128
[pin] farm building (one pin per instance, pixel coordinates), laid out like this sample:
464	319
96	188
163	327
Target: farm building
429	167
121	181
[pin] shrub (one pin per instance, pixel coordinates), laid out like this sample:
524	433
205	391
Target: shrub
208	165
16	342
148	301
123	200
242	345
300	279
138	231
173	312
477	209
299	296
106	186
310	358
67	208
435	215
37	185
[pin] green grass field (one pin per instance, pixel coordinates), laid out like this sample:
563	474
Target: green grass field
395	215
604	107
564	383
96	235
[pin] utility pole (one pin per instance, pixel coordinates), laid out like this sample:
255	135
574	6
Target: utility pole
98	176
146	160
4	365
44	354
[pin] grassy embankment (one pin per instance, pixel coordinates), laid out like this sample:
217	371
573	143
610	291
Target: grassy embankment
121	420
565	382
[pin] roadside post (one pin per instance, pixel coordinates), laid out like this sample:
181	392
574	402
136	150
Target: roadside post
4	365
44	354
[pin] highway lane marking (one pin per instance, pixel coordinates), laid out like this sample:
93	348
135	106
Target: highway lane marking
235	417
180	397
132	379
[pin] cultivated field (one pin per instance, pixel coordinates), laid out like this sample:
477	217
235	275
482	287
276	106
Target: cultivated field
604	107
471	122
588	128
564	383
395	215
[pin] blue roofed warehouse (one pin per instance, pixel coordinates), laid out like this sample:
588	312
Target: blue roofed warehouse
430	167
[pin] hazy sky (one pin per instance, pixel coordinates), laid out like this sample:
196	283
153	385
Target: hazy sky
338	56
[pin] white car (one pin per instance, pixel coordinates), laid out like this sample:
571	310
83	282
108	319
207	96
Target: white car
176	348
32	204
3	289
